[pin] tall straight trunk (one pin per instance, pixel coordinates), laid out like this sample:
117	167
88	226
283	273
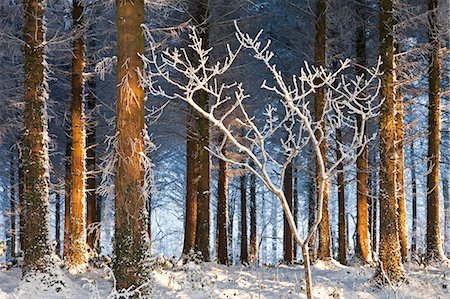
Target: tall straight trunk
390	266
231	210
222	213
414	202
375	200
67	193
244	241
362	248
253	242
21	182
93	206
400	177
342	256
77	254
190	226
274	221
434	246
131	246
295	204
36	207
12	184
324	250
312	206
203	187
58	223
288	241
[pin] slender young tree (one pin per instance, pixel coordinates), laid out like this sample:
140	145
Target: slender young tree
434	246
288	241
244	240
362	249
77	253
342	253
35	210
222	212
324	250
390	266
414	202
131	246
253	252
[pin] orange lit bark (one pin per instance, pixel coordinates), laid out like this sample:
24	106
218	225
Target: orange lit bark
77	253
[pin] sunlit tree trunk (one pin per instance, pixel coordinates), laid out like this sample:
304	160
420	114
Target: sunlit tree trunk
253	254
36	208
434	246
288	242
222	212
77	254
400	177
324	250
244	241
390	266
342	254
131	246
93	205
362	246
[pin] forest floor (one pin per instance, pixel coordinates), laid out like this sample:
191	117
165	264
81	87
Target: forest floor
210	280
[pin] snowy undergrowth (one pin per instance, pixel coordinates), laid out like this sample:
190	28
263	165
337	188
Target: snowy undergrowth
210	280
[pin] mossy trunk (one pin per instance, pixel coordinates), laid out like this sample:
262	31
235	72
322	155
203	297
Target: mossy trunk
131	246
390	266
77	253
35	209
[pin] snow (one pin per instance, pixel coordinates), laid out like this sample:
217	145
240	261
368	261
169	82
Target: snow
210	280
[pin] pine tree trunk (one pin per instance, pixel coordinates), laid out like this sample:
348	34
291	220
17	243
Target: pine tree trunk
390	267
288	242
342	256
222	212
203	192
434	246
231	210
36	208
93	206
12	183
58	223
132	244
253	255
400	177
414	202
362	248
191	192
244	242
67	193
295	204
324	250
77	253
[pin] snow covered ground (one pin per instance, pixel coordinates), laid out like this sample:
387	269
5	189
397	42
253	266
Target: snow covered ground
216	281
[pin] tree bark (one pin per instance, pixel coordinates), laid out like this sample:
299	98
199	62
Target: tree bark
390	266
244	241
132	244
414	202
77	254
362	248
324	250
58	223
253	255
93	206
222	212
342	256
434	246
67	193
312	206
288	241
36	208
295	204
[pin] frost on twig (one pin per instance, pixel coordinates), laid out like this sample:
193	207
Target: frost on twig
271	140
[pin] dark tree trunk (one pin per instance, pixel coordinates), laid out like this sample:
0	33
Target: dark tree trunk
342	256
244	242
253	255
222	213
288	242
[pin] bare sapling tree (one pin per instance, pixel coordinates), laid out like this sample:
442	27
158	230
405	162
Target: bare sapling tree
288	124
